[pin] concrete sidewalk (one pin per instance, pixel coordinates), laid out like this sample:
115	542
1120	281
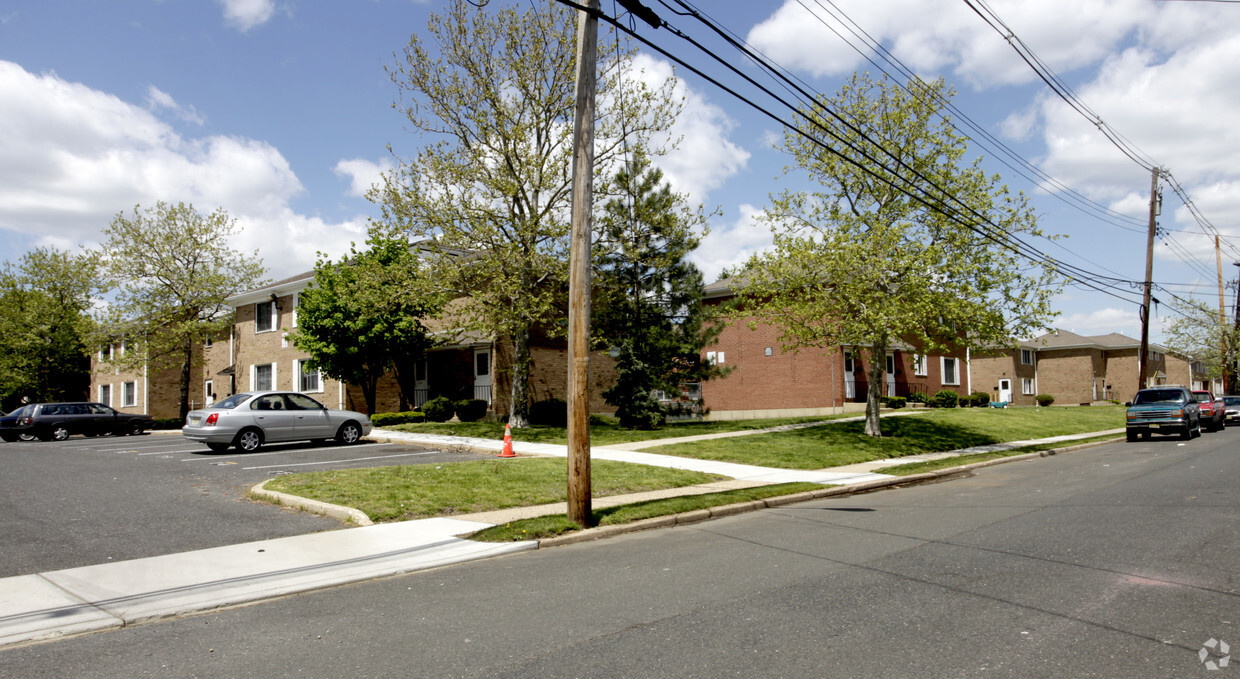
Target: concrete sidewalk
79	600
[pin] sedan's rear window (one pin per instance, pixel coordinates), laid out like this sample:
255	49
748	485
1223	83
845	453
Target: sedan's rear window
1159	396
232	401
1232	400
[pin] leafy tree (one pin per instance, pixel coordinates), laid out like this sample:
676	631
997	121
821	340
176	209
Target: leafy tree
363	316
45	327
861	262
176	269
1199	332
493	98
648	298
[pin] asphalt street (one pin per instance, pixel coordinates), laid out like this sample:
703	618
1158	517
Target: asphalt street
1115	561
86	501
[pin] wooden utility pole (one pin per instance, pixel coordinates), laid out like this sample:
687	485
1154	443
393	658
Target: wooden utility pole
1143	359
579	510
1222	314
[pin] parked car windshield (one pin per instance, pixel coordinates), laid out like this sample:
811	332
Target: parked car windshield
1159	396
232	401
1202	396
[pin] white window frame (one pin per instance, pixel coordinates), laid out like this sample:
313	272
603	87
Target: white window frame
714	358
1026	354
1026	386
296	303
955	370
275	319
921	366
254	376
129	399
299	373
105	394
208	391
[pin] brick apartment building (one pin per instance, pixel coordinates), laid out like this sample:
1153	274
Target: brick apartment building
766	381
257	354
1076	369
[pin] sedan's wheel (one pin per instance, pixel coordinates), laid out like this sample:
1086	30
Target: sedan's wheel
249	440
135	429
349	433
26	437
217	447
60	432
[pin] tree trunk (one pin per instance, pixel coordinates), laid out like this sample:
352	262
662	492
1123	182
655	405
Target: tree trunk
874	389
187	367
519	407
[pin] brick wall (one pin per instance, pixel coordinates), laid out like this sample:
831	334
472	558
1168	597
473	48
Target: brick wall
156	387
990	367
251	348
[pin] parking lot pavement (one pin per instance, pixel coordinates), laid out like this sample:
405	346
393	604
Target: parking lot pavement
87	501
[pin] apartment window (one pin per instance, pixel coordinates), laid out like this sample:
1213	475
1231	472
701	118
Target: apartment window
1026	386
1026	357
714	358
308	379
296	303
206	343
950	374
263	377
264	316
919	365
126	347
105	394
284	341
129	394
1155	356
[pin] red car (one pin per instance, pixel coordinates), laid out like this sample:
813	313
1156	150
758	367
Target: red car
1213	412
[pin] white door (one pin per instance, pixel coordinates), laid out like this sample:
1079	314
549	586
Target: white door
482	373
850	379
1005	391
891	374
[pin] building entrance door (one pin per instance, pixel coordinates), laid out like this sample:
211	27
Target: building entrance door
1005	391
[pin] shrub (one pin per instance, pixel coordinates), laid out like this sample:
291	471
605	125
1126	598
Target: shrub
552	412
438	409
404	417
944	399
893	402
917	397
1044	399
471	409
167	423
978	399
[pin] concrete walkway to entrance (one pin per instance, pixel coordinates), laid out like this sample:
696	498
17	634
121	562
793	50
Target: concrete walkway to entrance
50	605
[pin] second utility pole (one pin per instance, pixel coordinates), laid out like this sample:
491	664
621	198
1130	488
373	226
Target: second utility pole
1143	359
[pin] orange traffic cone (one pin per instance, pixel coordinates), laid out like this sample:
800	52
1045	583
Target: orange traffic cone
507	452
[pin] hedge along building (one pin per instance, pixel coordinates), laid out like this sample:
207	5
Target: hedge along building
766	381
1078	369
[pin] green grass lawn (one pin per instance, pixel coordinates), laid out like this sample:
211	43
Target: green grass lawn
422	491
833	445
603	430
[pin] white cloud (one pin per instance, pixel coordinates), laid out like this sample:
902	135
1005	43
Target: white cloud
246	14
1101	322
157	100
731	245
935	37
705	158
362	174
73	157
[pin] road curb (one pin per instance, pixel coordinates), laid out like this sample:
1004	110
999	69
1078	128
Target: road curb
697	515
338	512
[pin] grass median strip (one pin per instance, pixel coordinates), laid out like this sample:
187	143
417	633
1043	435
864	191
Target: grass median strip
558	524
401	493
961	460
834	445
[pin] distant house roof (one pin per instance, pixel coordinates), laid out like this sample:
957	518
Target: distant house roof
1064	339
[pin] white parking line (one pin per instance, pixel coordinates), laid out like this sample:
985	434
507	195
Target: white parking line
167	452
214	458
355	459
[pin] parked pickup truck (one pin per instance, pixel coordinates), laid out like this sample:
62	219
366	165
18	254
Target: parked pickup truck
1163	410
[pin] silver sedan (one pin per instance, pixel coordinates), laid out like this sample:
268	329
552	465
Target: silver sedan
248	420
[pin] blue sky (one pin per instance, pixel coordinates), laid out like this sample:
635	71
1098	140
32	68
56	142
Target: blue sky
280	112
